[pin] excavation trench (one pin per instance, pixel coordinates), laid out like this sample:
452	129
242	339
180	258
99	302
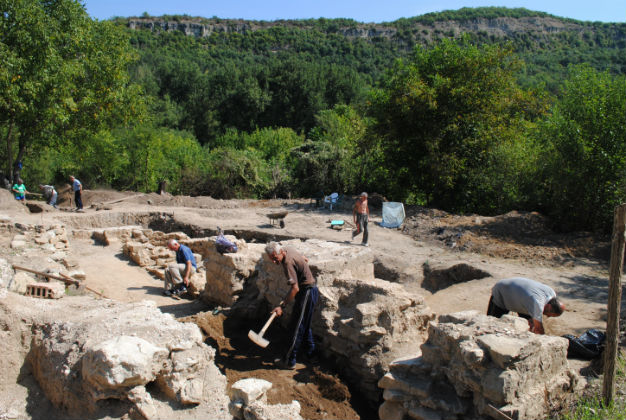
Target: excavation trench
321	388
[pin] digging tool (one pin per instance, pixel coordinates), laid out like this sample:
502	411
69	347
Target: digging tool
349	224
258	338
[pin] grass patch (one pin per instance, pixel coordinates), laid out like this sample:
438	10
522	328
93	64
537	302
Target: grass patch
591	407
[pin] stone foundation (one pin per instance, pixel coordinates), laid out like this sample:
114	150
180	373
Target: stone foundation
473	366
103	351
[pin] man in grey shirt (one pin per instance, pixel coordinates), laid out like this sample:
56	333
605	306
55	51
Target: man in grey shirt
530	299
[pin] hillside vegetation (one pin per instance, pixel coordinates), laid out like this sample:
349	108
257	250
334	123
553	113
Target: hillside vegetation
477	110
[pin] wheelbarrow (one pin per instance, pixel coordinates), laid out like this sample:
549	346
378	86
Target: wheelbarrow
278	217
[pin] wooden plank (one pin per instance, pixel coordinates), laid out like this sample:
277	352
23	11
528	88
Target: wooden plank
87	288
62	277
613	304
496	413
66	280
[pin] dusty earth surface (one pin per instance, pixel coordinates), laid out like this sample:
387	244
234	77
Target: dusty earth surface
515	244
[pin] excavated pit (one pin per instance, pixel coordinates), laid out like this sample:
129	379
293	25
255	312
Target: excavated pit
438	279
320	387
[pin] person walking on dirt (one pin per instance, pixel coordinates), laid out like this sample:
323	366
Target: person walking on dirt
77	187
176	276
19	190
530	299
303	291
361	215
50	194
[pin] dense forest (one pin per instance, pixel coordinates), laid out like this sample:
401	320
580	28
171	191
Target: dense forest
478	110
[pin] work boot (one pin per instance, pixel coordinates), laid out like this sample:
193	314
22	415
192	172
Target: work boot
167	293
179	290
283	364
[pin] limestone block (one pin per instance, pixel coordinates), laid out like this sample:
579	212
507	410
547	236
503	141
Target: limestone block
78	274
157	272
16	244
21	280
473	356
503	350
6	273
417	386
391	410
249	390
122	362
49	247
394	395
422	413
499	386
143	402
163	262
163	252
259	411
410	365
40	240
69	263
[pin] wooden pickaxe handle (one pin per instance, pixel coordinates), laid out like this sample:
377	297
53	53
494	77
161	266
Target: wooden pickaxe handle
267	324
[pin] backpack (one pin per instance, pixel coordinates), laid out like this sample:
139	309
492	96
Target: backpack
587	346
223	245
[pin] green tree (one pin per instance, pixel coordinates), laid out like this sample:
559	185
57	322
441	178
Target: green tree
585	150
440	117
63	75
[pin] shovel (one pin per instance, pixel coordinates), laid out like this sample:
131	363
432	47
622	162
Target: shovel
258	338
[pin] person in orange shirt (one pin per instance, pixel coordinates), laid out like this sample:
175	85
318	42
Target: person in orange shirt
361	214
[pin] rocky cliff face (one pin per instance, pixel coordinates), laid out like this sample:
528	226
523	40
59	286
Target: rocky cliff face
498	27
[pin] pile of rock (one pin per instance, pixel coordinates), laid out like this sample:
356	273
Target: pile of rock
149	250
473	366
28	243
101	350
48	238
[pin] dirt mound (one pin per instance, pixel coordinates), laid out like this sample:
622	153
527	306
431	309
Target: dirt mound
527	236
9	203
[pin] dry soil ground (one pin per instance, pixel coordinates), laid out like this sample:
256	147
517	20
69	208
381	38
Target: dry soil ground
516	244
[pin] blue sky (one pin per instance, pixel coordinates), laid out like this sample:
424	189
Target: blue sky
362	11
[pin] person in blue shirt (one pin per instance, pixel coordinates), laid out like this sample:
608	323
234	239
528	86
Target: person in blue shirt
177	274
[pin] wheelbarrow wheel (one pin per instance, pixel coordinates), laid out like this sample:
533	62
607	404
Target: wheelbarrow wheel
282	223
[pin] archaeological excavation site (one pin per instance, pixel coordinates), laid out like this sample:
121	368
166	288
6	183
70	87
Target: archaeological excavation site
400	327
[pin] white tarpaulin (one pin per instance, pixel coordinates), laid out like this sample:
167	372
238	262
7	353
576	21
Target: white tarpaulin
393	214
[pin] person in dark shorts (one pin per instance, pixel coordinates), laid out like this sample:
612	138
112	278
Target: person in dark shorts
361	215
529	298
304	293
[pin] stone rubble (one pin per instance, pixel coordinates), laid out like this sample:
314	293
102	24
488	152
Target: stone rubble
29	239
103	350
473	366
248	400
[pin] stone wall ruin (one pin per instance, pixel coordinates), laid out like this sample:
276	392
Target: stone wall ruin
474	366
102	350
